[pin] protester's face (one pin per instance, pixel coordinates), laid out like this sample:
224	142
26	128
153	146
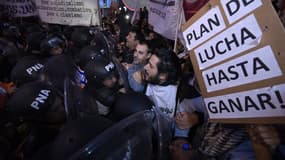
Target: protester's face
141	54
131	40
151	70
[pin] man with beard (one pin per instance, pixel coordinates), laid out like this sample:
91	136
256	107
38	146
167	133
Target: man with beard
161	73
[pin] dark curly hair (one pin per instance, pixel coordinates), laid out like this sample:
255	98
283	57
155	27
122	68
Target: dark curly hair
169	64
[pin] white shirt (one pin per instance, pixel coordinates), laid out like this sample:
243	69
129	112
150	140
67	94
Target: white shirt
164	97
193	104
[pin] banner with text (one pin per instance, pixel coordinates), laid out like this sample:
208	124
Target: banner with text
18	8
237	51
69	12
164	16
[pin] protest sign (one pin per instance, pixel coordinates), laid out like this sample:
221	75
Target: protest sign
238	57
262	102
164	16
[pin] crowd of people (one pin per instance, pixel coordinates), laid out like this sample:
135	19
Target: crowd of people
53	73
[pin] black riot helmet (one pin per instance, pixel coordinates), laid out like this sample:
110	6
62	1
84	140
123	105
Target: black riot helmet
12	32
36	102
88	53
81	37
98	70
56	69
27	69
41	109
9	29
34	42
52	42
105	40
8	49
99	39
9	55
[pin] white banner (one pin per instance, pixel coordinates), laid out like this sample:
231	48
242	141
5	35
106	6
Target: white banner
164	15
69	12
262	102
18	8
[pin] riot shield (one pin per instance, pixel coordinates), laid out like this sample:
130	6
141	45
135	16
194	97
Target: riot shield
123	74
107	41
70	93
142	136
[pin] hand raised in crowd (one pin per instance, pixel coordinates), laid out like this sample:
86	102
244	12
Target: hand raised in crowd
265	134
185	120
127	65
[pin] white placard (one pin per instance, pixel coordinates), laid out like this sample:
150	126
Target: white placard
258	65
262	102
204	28
236	9
240	37
69	12
19	8
164	16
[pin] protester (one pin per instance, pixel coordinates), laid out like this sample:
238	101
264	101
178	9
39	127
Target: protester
191	110
132	39
162	73
135	70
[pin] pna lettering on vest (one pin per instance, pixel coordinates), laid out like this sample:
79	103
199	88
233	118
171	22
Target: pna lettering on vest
40	99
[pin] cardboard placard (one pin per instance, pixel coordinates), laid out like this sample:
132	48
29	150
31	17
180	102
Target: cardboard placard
238	59
18	8
69	12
